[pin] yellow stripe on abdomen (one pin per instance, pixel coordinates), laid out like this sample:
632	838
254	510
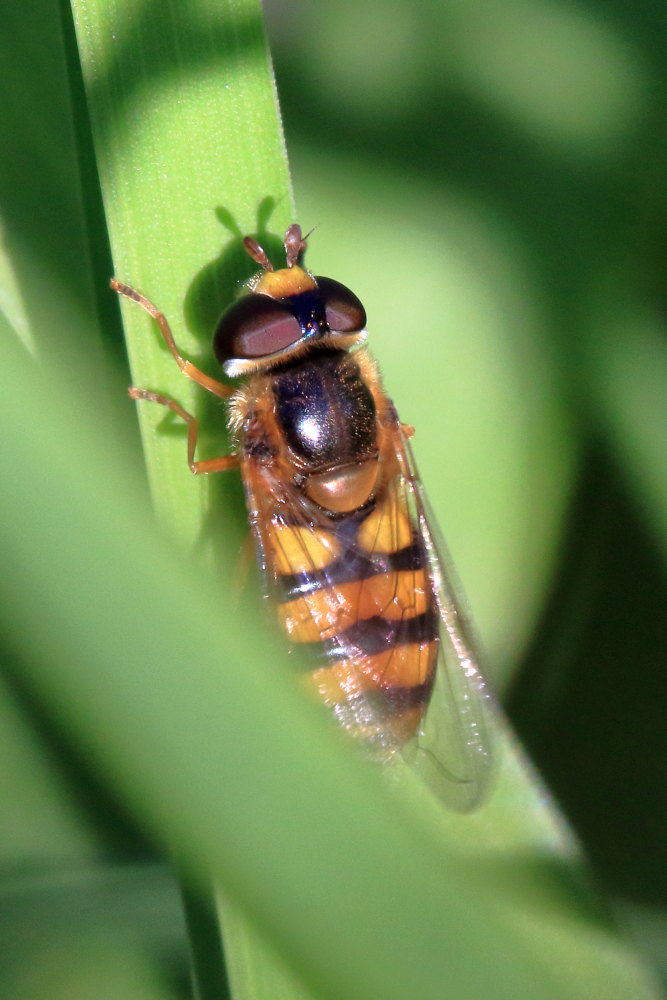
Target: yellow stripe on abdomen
297	550
387	528
325	613
401	666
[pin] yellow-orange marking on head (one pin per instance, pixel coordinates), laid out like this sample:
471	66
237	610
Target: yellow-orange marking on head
286	281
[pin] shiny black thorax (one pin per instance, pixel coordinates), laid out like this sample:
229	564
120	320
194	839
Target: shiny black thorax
325	410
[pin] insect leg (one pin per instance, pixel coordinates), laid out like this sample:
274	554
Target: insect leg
218	464
217	388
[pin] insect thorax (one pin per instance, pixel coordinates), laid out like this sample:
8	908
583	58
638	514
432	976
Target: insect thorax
325	410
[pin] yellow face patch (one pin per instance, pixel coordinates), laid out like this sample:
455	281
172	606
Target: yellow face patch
286	281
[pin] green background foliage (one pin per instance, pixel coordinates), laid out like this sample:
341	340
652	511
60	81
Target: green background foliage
489	178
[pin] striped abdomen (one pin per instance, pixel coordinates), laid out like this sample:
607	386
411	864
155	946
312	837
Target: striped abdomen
358	594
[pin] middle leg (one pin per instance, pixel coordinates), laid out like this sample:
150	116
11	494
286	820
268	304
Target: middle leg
198	468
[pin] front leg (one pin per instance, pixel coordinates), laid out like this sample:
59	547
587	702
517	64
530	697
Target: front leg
200	377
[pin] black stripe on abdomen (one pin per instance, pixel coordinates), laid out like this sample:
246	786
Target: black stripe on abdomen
351	566
375	635
383	703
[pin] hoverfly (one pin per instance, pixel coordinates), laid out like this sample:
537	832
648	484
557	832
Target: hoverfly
339	519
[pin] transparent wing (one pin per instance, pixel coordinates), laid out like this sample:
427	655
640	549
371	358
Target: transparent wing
452	749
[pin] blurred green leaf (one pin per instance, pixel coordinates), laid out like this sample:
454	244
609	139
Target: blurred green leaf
628	366
86	932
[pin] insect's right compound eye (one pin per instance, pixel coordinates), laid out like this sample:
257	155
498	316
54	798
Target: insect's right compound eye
344	311
254	327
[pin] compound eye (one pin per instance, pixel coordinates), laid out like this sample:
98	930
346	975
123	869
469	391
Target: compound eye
344	311
255	327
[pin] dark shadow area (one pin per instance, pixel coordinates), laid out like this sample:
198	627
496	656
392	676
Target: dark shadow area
44	158
211	291
589	701
220	281
206	947
94	219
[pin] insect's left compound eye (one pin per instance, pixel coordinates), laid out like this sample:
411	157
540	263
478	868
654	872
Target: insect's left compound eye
255	327
344	311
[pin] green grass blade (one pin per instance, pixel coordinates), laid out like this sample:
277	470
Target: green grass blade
191	156
88	931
